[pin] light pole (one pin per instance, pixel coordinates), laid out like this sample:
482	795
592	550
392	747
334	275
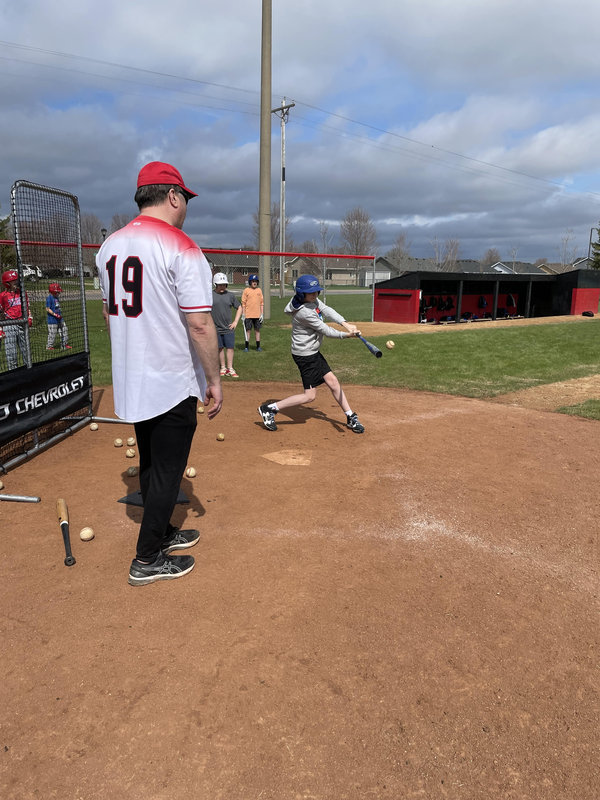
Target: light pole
283	112
590	244
264	190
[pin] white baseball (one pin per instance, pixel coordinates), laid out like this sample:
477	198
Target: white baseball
190	472
118	442
85	534
1	485
131	441
390	344
130	453
220	437
201	409
132	472
94	426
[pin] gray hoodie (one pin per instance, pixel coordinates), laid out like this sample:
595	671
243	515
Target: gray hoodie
308	327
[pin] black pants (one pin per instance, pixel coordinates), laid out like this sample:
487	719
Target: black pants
164	445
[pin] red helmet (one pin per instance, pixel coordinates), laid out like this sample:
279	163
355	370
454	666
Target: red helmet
54	287
9	275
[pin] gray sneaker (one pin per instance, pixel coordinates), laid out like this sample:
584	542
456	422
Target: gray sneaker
179	540
165	568
268	417
354	424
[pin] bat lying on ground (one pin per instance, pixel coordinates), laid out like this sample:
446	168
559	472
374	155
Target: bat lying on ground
370	347
63	519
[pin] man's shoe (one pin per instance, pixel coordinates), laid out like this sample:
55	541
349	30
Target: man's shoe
180	540
232	373
354	424
165	568
268	417
246	350
49	348
223	371
259	349
68	347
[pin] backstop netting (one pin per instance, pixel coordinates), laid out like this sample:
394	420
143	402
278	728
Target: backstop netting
45	376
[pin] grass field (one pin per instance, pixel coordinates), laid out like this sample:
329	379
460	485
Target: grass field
475	363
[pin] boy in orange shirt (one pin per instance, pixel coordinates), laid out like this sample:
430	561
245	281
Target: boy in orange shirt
252	311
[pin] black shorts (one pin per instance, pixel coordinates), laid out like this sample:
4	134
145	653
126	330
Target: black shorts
252	322
312	369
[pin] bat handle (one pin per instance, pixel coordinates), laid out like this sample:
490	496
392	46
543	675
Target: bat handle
69	561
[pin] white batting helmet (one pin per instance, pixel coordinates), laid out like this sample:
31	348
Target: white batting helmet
219	277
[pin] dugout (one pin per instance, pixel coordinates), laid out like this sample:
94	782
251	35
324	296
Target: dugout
442	297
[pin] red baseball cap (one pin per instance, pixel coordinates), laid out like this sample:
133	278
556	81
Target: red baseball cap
158	173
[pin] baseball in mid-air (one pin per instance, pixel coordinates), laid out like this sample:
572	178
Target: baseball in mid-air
130	453
118	442
132	472
390	344
94	426
131	441
220	437
190	472
201	409
85	534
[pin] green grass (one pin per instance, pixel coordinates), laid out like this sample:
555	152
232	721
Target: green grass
590	409
472	363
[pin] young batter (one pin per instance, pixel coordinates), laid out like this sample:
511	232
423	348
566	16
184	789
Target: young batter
308	329
253	305
10	308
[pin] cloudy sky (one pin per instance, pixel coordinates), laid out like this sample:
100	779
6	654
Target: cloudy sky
476	120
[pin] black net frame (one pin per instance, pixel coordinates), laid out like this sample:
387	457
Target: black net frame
47	229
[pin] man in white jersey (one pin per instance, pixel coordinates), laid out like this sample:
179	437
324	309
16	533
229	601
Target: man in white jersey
157	300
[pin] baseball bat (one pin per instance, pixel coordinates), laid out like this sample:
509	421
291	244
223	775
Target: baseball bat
63	520
370	347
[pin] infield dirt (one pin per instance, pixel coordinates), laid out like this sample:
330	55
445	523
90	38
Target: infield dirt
407	613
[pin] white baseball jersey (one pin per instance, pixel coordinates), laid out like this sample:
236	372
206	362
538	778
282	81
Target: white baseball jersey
151	275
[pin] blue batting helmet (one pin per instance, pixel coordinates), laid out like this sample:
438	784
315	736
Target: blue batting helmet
252	278
308	283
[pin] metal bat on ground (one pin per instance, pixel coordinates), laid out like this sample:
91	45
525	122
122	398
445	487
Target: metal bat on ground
370	347
63	519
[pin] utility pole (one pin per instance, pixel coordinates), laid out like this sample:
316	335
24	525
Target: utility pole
264	192
283	112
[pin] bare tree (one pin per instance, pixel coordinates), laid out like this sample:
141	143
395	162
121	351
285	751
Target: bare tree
450	255
491	256
90	229
567	250
400	251
539	261
437	251
513	256
119	221
289	242
358	234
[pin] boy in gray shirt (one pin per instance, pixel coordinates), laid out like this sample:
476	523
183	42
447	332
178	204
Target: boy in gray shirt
223	302
308	329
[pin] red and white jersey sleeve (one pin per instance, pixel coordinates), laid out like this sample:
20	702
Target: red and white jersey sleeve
152	275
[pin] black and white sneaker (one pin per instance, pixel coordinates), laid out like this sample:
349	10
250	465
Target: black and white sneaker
179	540
268	417
354	425
165	568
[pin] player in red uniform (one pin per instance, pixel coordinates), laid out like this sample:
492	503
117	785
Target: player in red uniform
10	308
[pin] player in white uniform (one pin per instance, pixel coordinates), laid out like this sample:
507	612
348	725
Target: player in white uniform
157	299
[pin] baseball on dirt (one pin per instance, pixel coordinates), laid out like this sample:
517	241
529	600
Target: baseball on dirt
131	441
118	442
190	472
220	437
132	472
94	426
130	453
201	409
390	344
1	485
85	534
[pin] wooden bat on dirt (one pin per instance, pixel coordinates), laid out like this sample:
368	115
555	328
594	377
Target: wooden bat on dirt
63	520
371	347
